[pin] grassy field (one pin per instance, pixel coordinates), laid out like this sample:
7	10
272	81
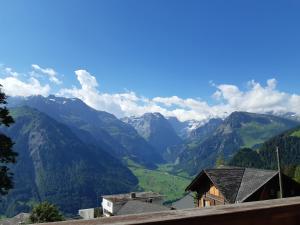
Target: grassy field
160	180
296	133
254	133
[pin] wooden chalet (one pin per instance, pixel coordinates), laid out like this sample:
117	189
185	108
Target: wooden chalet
237	185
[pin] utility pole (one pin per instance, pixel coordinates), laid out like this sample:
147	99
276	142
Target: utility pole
279	173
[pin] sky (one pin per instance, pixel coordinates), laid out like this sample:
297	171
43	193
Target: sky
189	59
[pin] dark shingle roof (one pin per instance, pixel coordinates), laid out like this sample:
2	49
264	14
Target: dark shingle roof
187	202
236	184
135	207
227	180
252	180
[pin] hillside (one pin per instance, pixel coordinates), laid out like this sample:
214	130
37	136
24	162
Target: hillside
203	131
96	128
54	165
154	128
185	128
238	130
265	157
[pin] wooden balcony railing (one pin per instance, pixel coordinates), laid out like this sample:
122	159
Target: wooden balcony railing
272	212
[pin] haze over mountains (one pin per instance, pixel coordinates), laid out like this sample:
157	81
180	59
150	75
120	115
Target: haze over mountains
55	165
240	129
95	127
156	129
288	143
71	153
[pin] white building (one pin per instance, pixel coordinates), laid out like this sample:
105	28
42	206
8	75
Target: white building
87	213
111	204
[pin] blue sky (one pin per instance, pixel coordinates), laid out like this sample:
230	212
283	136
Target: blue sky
155	48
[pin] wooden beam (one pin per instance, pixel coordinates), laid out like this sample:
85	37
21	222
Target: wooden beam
271	212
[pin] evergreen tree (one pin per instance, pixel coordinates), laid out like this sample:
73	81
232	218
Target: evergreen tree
45	212
246	157
7	155
220	160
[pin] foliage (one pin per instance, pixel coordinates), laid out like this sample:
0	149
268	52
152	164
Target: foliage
240	129
98	212
220	160
45	212
246	157
7	155
265	158
296	133
297	174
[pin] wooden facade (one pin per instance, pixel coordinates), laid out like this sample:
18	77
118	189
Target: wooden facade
236	185
211	197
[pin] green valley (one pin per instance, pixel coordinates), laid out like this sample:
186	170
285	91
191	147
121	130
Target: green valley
160	180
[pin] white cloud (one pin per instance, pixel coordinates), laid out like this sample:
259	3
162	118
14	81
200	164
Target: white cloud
228	98
10	72
12	86
51	73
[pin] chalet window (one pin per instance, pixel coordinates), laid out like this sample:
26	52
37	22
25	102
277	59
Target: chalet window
109	204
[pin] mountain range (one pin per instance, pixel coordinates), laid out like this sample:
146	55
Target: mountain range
70	153
240	129
97	128
55	165
155	129
288	144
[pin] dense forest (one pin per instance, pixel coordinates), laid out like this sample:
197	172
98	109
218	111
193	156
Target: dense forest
265	157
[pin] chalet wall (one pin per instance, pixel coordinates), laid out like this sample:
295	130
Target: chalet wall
210	196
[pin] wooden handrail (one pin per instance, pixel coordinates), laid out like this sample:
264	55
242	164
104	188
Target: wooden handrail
271	212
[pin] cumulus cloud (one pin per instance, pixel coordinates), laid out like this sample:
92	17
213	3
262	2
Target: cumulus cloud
51	73
10	72
228	98
257	98
12	86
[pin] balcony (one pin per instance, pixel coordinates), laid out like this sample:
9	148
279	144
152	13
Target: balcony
272	212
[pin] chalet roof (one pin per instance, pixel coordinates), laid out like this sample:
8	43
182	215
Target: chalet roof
227	180
253	179
235	184
127	196
135	207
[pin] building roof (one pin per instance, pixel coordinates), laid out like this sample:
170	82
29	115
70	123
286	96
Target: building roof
187	202
253	179
127	196
235	184
135	207
227	180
